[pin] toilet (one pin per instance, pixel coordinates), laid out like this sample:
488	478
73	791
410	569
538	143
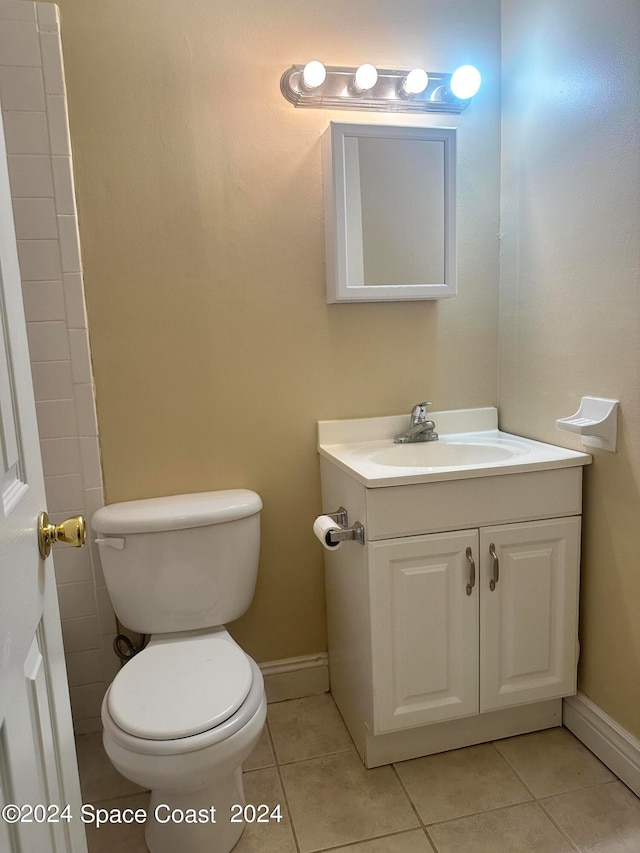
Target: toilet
182	716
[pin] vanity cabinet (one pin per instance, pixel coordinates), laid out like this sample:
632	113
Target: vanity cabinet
449	641
423	657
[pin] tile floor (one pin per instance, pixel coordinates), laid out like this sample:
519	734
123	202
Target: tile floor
540	793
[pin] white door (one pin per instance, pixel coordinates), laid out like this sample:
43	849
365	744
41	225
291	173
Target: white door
529	619
424	627
37	753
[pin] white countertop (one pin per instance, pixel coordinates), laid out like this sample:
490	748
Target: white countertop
470	445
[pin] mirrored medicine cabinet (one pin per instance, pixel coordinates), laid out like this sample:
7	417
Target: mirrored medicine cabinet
389	206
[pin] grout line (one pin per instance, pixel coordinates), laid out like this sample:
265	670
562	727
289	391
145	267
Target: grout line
535	803
560	829
372	838
284	792
536	799
543	806
314	757
414	807
478	814
270	739
407	794
258	769
578	790
350	749
557	793
430	840
510	766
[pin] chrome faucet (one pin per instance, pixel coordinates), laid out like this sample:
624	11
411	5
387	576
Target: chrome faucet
420	428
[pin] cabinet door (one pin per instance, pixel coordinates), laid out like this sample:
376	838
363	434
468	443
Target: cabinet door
529	621
424	629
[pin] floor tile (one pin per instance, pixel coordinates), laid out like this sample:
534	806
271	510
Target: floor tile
263	786
120	837
518	829
99	780
405	842
461	782
603	819
307	728
262	755
553	761
335	800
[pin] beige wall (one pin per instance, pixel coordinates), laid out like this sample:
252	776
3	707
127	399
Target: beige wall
570	304
200	204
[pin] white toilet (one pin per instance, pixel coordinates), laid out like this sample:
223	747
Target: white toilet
182	716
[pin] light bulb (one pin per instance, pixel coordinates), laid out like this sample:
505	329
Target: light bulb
465	82
314	74
415	82
365	78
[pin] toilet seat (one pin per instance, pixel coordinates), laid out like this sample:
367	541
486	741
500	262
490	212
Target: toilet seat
251	706
179	689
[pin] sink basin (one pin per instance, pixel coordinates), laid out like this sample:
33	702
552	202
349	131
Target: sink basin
470	445
446	454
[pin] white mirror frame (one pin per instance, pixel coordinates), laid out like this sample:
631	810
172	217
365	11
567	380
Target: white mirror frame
339	288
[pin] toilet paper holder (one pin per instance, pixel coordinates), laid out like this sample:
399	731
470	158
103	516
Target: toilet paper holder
355	532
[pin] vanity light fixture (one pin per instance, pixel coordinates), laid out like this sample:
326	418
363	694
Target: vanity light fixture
313	75
465	81
414	83
383	89
365	78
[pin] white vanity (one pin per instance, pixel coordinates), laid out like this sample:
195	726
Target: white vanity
456	622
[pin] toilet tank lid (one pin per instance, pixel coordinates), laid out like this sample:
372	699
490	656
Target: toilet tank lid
176	512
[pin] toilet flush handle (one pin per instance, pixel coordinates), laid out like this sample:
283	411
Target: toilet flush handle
112	542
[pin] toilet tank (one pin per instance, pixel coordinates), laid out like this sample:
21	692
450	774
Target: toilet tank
182	562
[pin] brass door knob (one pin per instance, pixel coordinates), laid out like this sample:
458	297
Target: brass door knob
72	531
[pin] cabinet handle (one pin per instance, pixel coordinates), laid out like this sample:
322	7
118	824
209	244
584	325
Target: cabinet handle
496	567
472	572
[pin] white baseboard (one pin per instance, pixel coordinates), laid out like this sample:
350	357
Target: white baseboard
614	746
294	678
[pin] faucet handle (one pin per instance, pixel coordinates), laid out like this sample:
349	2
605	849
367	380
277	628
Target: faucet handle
419	412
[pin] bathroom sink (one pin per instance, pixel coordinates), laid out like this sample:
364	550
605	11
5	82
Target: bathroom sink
470	445
447	453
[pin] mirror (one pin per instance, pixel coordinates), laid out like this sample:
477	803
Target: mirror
389	212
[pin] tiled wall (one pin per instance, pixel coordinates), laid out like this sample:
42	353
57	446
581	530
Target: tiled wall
34	112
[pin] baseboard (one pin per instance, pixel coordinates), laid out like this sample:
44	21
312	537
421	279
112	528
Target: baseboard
294	678
614	746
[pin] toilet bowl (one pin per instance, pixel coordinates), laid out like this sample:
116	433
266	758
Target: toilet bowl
182	716
188	774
